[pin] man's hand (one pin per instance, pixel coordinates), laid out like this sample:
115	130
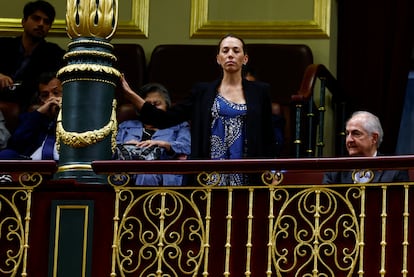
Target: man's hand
51	106
5	81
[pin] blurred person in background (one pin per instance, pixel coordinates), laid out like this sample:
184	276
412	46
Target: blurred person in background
24	57
35	136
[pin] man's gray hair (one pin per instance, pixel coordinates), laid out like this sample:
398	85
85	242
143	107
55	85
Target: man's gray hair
371	124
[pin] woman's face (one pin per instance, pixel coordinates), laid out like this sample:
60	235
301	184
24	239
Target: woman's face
155	98
231	56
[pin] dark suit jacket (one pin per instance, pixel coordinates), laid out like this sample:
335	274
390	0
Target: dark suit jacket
47	57
30	134
380	176
197	109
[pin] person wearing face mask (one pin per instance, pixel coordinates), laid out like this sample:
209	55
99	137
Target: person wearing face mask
231	117
35	136
173	142
22	58
364	135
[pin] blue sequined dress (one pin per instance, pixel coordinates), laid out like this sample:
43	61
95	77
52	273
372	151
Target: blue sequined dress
228	136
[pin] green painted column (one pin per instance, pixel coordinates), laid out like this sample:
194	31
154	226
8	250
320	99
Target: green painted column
87	126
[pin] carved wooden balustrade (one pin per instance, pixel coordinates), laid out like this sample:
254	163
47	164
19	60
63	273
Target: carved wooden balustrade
287	224
310	117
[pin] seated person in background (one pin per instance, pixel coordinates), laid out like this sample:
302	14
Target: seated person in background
175	142
249	73
22	58
278	121
363	137
4	132
35	135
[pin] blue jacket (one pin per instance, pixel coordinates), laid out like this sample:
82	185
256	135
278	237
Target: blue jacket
178	136
29	135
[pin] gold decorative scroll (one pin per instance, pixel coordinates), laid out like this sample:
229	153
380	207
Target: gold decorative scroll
91	18
84	139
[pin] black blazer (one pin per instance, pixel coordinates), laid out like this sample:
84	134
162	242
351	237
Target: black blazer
380	176
197	109
47	56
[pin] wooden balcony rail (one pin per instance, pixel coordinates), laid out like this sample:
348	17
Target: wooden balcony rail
283	227
278	229
29	173
312	74
47	167
308	117
254	165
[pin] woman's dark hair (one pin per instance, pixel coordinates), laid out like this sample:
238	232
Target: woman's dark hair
232	36
155	87
39	5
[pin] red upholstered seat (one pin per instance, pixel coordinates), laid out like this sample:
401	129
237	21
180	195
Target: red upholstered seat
280	65
179	66
131	61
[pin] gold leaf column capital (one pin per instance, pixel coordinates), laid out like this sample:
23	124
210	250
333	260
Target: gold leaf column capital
91	18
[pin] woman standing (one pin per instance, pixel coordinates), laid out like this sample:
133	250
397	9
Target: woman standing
230	117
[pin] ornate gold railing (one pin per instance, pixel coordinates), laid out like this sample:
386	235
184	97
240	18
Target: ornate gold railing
15	212
286	224
273	229
169	232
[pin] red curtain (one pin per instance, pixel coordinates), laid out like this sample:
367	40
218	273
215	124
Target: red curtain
375	39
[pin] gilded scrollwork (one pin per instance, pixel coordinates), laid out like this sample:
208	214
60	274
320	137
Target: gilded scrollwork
362	176
119	179
30	180
89	67
269	178
323	218
84	139
209	179
155	230
297	230
272	177
13	231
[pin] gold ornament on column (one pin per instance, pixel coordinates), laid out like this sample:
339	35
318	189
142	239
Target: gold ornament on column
91	18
